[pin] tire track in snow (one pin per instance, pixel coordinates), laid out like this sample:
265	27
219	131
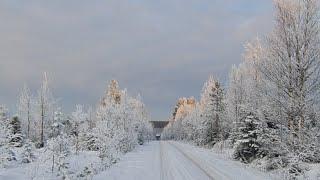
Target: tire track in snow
179	167
212	173
161	162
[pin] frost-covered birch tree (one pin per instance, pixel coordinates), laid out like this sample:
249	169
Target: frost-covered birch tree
44	110
292	66
121	122
25	105
213	109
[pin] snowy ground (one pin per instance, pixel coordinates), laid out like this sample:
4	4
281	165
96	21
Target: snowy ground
167	160
41	169
157	160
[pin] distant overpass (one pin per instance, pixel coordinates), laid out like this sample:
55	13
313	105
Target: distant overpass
158	126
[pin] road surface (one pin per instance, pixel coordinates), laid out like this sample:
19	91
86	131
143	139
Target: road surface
168	160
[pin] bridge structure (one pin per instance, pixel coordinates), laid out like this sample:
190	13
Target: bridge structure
158	126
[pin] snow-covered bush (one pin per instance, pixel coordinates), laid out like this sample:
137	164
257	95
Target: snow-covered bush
118	124
28	152
108	153
59	148
89	141
86	174
7	156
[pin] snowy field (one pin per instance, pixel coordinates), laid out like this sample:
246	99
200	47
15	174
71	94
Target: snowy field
41	169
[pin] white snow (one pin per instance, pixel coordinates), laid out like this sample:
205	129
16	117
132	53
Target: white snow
41	169
141	163
168	160
314	173
156	160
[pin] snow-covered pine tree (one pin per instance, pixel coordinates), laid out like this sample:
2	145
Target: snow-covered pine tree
246	88
15	135
6	153
58	124
247	147
272	149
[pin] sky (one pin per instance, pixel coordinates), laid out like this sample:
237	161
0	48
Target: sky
161	49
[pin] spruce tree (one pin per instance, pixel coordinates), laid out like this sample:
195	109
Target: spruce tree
247	147
15	135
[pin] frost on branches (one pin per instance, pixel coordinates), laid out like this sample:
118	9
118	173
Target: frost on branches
269	115
203	123
121	121
48	143
7	156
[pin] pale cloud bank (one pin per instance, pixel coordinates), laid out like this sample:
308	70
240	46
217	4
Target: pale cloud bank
161	49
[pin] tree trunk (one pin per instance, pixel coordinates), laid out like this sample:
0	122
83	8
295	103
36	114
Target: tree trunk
28	118
42	123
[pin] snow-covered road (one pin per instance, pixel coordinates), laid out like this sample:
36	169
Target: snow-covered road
167	160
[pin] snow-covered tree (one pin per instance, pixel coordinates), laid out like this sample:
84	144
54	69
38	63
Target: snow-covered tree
91	118
15	135
247	147
59	148
80	127
213	109
58	124
279	82
245	91
45	108
235	95
202	123
121	120
25	113
291	67
28	152
6	153
4	123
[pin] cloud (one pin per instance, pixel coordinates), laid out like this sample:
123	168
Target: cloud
161	49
